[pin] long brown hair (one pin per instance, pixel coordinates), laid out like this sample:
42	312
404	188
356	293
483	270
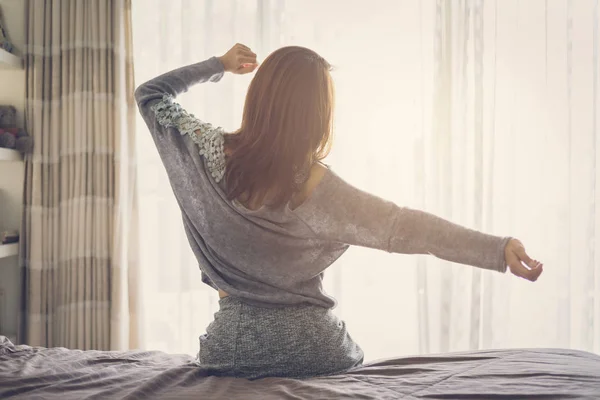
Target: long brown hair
286	127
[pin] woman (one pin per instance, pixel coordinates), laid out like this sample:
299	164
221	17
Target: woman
265	217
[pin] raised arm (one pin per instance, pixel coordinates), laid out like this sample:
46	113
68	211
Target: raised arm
178	135
339	212
239	59
176	82
182	139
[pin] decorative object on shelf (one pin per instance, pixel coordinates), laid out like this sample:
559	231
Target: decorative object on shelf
4	42
15	138
8	116
7	140
10	136
8	237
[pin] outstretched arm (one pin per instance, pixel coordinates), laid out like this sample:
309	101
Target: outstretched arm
339	212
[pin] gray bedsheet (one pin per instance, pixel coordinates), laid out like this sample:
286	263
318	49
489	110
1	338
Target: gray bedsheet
57	373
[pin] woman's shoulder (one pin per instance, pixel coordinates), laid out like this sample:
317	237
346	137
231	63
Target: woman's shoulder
317	177
317	174
209	139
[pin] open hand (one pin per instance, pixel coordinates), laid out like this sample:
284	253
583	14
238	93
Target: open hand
239	60
515	256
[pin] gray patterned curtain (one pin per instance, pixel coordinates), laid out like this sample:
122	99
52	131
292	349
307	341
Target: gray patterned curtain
79	258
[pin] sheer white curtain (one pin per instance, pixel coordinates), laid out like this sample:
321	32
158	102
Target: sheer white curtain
483	113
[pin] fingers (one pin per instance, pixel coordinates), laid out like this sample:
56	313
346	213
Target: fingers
529	262
239	59
525	273
534	274
531	272
246	68
244	51
246	60
241	46
247	53
536	264
520	263
523	256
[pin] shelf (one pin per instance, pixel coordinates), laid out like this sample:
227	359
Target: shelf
9	250
10	155
10	61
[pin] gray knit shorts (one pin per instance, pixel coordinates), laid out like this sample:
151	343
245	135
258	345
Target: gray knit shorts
253	342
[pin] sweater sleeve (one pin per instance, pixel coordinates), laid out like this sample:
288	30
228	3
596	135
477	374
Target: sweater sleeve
339	212
183	141
173	129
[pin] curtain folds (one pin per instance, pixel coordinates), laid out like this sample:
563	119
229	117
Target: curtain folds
79	262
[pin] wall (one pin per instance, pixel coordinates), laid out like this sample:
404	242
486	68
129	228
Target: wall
12	91
13	82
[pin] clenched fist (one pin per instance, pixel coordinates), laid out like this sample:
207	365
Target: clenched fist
239	60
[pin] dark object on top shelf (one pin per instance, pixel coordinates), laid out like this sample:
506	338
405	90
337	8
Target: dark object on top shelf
10	136
9	237
4	41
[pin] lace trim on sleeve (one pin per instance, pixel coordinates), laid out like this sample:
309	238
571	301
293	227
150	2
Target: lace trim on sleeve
209	139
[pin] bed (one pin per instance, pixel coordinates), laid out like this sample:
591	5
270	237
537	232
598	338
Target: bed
57	373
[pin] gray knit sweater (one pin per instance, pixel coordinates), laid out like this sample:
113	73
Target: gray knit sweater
276	257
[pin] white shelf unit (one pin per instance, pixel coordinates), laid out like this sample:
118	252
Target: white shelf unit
9	250
10	61
10	155
12	167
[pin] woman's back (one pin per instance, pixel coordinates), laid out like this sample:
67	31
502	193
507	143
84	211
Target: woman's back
273	256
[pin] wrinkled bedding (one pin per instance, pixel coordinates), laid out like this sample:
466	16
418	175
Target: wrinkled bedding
57	373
